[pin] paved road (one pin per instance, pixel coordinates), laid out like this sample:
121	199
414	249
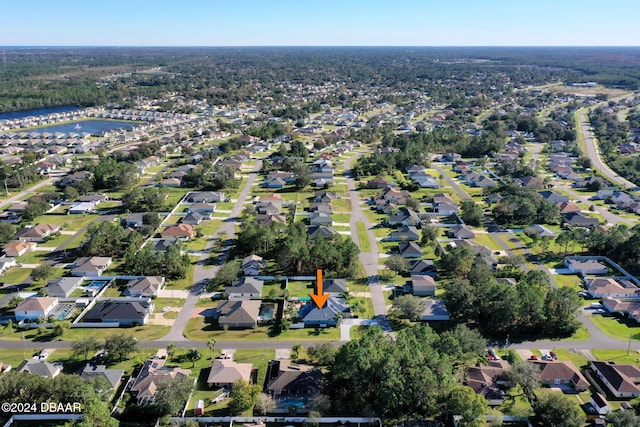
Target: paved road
369	260
593	152
201	273
452	183
608	216
20	195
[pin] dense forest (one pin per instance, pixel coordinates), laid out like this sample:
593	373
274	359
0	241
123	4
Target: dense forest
33	78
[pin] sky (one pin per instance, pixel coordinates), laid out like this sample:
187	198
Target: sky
319	23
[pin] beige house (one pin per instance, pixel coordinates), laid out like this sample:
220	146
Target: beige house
225	372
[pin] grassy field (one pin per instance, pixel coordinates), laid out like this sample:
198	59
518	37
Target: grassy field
300	289
67	222
15	275
485	239
185	283
200	330
620	329
207	228
146	332
341	205
363	239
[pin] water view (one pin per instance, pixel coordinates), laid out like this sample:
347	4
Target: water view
37	112
93	126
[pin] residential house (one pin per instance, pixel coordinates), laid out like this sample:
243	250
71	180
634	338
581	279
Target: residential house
540	231
146	287
577	219
553	196
205	210
630	309
134	220
425	181
405	233
35	308
113	377
335	287
404	216
239	314
174	182
273	198
286	378
531	181
561	373
378	183
252	265
274	182
334	309
409	250
268	208
608	287
423	285
460	232
321	231
192	218
488	380
121	313
394	195
434	310
18	248
267	220
320	218
620	379
423	266
6	263
179	231
585	266
41	368
82	208
225	372
37	233
162	245
320	207
153	373
10	217
600	404
90	266
244	288
324	197
63	287
205	197
569	207
481	181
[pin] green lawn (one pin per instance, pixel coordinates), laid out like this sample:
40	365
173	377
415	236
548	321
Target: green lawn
207	228
199	330
34	257
300	289
342	205
15	275
185	283
619	356
146	332
198	244
485	239
576	358
160	303
363	238
343	218
617	328
67	222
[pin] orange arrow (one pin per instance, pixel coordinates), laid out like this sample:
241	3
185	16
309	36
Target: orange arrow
319	298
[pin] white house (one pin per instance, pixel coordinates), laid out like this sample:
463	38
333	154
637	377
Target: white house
34	308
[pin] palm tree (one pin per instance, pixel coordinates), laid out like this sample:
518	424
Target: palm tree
211	344
192	355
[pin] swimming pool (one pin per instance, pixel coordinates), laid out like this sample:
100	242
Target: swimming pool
97	284
288	402
266	311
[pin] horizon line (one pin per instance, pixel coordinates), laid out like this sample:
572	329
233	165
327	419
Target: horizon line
311	46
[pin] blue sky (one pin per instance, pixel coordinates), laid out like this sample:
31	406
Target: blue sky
315	22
